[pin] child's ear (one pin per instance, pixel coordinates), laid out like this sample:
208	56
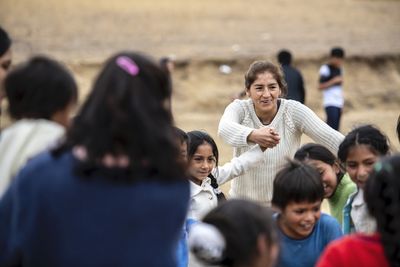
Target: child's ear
336	168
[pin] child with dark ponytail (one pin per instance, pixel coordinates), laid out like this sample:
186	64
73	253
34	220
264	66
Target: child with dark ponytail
205	175
359	151
382	248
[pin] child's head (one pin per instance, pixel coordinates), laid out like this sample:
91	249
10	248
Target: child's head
260	67
41	89
337	52
382	195
326	164
202	155
183	143
284	57
359	151
336	56
236	233
125	115
298	192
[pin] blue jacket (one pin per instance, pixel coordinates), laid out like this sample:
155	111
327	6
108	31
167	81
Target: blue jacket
51	217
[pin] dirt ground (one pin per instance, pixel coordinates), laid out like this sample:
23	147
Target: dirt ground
202	35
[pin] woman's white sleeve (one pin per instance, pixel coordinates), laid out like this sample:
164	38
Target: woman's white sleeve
239	165
230	128
316	129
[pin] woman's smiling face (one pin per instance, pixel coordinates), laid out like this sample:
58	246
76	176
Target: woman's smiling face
264	92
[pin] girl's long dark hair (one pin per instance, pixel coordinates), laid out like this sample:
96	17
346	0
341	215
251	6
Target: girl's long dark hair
125	114
368	135
197	138
382	195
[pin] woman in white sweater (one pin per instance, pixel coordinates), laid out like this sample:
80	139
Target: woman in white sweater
272	122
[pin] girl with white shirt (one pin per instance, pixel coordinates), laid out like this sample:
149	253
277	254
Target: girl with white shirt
205	175
359	151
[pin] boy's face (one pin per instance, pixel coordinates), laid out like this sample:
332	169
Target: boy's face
297	219
337	61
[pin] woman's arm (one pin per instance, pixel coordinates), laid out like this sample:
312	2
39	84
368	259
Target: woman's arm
310	124
232	131
239	165
230	128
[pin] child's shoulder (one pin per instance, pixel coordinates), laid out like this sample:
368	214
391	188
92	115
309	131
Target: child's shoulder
329	227
327	219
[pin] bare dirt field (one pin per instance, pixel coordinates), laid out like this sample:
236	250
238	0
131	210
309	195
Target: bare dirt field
202	35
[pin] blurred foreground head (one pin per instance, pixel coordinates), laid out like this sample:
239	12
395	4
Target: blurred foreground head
382	195
236	233
41	88
125	115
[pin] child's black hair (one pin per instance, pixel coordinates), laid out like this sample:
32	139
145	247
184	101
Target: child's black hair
382	195
5	41
197	138
241	222
125	114
319	152
39	88
297	182
181	135
337	52
364	135
284	57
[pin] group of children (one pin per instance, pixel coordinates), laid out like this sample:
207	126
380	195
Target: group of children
104	194
303	231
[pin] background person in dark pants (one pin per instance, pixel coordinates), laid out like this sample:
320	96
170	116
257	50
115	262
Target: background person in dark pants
293	77
330	81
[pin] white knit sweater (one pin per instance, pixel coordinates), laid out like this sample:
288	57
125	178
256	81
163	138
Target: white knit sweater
291	121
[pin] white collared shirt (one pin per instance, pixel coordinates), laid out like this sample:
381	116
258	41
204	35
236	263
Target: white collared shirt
363	222
202	199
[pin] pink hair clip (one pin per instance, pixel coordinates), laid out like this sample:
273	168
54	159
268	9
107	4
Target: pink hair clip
127	65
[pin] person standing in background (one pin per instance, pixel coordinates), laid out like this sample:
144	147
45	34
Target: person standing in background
330	82
293	77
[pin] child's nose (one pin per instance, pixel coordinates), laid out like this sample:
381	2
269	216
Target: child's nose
362	172
310	216
205	164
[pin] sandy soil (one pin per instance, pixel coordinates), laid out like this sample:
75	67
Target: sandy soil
205	34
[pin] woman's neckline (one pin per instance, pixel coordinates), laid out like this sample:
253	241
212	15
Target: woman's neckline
273	117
